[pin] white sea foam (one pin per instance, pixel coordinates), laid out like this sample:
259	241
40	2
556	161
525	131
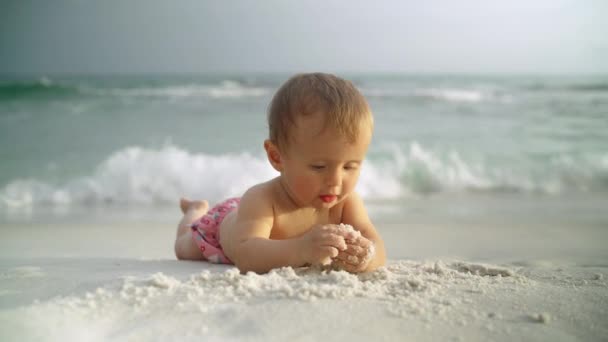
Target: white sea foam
465	95
137	175
225	89
454	95
45	81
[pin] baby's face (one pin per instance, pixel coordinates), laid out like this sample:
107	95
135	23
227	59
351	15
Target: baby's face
321	167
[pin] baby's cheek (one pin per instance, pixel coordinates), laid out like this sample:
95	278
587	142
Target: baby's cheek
350	183
303	185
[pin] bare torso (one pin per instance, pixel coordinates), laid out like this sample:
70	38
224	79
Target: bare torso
288	222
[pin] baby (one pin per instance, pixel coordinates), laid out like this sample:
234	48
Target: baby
320	128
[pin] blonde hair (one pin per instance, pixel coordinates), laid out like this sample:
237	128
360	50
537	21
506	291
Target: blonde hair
343	106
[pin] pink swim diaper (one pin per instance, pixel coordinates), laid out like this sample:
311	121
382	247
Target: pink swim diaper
206	234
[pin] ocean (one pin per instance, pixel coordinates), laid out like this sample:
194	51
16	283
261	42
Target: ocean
490	194
451	146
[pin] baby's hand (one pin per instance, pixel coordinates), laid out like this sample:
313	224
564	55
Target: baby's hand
322	243
357	256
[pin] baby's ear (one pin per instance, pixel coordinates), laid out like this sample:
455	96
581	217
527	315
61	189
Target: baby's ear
274	155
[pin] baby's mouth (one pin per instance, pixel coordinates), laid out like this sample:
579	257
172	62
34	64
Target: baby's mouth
328	198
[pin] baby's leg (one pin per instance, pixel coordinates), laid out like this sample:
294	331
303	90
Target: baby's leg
185	247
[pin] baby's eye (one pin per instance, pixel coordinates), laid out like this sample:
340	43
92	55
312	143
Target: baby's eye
350	167
317	167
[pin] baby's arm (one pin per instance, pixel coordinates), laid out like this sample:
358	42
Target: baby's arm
354	213
249	245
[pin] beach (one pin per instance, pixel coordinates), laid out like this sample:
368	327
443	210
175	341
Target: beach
489	192
460	280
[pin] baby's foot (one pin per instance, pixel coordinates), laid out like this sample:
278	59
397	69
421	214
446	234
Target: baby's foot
188	205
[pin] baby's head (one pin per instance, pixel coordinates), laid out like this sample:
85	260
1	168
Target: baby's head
341	106
320	129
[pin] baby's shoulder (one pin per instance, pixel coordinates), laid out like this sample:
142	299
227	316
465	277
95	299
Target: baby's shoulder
259	195
258	192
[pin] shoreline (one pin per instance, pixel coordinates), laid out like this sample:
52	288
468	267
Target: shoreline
418	239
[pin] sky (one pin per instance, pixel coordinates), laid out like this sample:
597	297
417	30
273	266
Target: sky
188	36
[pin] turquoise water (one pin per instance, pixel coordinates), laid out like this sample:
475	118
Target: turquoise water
145	140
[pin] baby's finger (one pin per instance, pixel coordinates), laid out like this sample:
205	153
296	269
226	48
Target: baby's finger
355	250
341	231
348	258
334	240
360	241
329	251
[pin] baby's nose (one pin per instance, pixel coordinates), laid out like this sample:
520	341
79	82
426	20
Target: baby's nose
334	178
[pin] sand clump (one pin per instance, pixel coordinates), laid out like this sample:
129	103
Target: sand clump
404	288
346	229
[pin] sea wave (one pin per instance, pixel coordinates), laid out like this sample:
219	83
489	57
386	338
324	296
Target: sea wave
45	88
42	88
225	89
423	171
452	95
499	90
441	94
575	87
137	175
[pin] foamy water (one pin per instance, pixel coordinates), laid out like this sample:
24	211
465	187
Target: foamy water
137	175
147	140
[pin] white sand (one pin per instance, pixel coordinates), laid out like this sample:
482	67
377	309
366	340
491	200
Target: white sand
109	299
120	283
